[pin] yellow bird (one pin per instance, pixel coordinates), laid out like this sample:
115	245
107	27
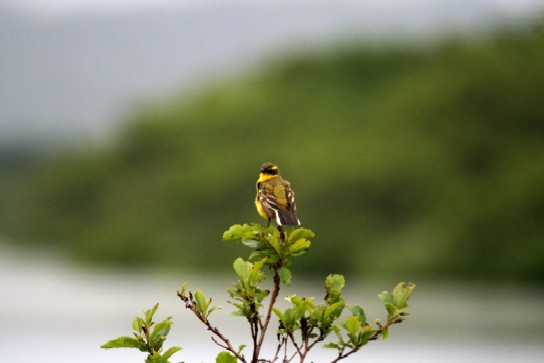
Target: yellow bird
275	199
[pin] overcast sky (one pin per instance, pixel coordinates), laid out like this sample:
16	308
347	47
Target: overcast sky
73	67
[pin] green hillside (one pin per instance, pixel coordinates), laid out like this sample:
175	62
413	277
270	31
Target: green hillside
405	163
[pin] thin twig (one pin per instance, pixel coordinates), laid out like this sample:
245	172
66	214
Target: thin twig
280	344
292	357
341	355
320	338
229	347
383	328
374	336
295	344
191	305
285	352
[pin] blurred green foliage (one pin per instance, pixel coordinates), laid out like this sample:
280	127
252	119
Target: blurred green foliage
425	161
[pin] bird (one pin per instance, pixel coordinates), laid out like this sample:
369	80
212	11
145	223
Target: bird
275	199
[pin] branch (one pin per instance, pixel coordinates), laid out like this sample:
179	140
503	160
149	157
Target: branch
383	328
191	305
341	355
227	346
320	338
308	347
281	341
295	345
374	336
254	333
273	298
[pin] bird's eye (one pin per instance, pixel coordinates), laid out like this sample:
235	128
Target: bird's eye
271	171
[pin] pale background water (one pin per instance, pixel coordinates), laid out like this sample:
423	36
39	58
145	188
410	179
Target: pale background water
51	311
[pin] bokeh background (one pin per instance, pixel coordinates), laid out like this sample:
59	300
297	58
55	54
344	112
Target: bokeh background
131	134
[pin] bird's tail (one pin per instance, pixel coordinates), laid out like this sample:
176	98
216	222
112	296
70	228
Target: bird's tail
285	217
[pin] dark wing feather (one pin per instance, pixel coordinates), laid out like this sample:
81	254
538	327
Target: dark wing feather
268	202
288	215
290	194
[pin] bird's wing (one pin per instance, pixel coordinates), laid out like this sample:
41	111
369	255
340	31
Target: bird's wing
268	202
288	214
290	195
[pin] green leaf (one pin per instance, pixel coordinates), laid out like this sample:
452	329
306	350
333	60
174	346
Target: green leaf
299	233
391	309
398	299
353	325
336	330
401	293
161	329
242	269
272	259
168	353
239	312
214	308
358	311
299	247
336	281
331	345
252	243
334	285
155	357
334	310
242	232
137	324
149	313
123	342
234	232
365	334
278	313
184	288
256	255
225	357
200	299
285	275
272	241
289	317
256	275
386	297
241	347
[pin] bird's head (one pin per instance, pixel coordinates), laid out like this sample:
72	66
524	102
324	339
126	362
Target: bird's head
269	170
